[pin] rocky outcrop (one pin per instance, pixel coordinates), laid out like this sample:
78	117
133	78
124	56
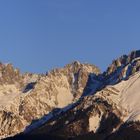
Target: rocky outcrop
9	75
31	96
123	67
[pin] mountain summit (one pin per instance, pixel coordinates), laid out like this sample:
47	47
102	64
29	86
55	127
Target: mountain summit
74	102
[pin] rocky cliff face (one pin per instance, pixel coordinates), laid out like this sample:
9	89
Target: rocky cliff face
74	102
28	97
123	67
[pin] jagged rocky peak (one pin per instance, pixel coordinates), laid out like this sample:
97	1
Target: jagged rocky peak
124	61
59	88
77	75
76	66
124	66
9	75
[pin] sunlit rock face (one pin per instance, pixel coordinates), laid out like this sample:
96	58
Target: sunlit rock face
28	96
123	67
74	102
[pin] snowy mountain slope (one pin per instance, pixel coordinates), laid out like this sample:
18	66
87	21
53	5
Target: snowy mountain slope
130	95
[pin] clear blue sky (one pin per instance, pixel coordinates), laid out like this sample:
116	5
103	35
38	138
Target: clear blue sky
38	35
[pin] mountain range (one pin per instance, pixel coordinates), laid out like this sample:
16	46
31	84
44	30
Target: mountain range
77	102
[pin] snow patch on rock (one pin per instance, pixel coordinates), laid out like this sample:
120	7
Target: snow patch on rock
94	123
